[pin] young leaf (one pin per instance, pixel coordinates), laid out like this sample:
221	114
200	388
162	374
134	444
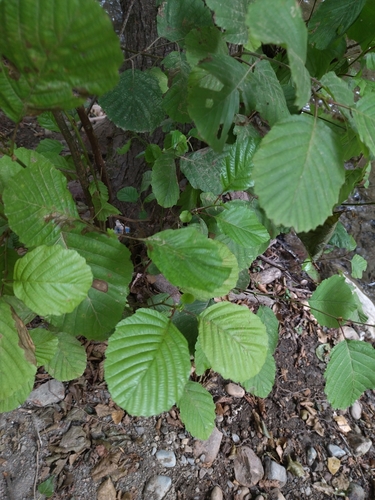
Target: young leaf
261	384
17	360
332	300
135	103
37	201
350	372
69	360
309	155
359	264
45	345
268	318
99	195
147	363
234	340
197	410
198	265
237	165
164	180
128	193
342	239
231	17
46	487
214	97
112	268
284	27
204	169
55	55
364	118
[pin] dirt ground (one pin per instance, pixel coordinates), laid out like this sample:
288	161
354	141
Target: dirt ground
95	450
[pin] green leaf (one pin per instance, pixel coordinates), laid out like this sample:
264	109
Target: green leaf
8	169
245	255
332	19
147	363
25	314
47	121
309	268
135	103
204	169
164	180
308	153
264	93
186	320
197	410
37	201
342	239
49	146
237	166
241	224
45	343
99	196
17	360
202	42
69	361
177	142
112	270
281	23
332	300
350	372
231	17
340	92
214	97
47	487
352	179
262	383
230	332
8	259
54	55
364	118
176	19
200	359
315	240
52	280
125	148
268	318
359	264
198	265
129	194
362	30
175	101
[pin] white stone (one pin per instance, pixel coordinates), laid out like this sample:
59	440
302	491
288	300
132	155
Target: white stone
356	410
216	494
350	333
157	487
275	472
235	390
210	447
166	458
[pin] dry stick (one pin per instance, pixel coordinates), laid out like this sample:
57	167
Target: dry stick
271	263
126	18
76	155
99	162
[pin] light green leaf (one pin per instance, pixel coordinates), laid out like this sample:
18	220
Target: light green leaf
241	224
197	410
364	118
49	146
147	363
350	372
234	340
231	17
198	265
99	196
45	345
281	23
17	360
268	318
37	201
214	97
309	268
47	121
204	169
176	19
200	359
237	166
308	153
342	239
25	314
202	42
245	255
112	270
333	299
341	93
54	55
8	169
332	19
47	487
135	103
263	92
359	264
69	361
52	280
164	180
128	193
261	384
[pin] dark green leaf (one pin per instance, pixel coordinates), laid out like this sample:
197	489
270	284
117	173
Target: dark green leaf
164	180
231	17
128	193
316	239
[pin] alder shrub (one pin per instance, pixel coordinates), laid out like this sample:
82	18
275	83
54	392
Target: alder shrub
278	104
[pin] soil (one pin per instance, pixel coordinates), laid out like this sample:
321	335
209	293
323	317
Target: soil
108	454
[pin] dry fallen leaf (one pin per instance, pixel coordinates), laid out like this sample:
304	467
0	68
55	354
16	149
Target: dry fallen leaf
342	423
103	410
333	465
106	490
117	416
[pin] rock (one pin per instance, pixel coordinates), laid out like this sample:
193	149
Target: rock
259	497
355	492
235	438
311	455
356	410
350	333
51	392
359	444
216	494
235	390
242	493
275	472
210	447
157	487
275	494
335	451
248	468
166	458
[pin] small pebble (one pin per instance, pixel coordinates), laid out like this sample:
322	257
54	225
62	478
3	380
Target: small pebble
140	430
308	491
355	492
188	449
275	472
216	494
191	461
356	410
276	494
235	438
157	487
183	460
202	473
235	390
166	458
259	497
350	333
335	451
311	455
359	444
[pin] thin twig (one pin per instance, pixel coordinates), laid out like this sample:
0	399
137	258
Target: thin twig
272	263
126	18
